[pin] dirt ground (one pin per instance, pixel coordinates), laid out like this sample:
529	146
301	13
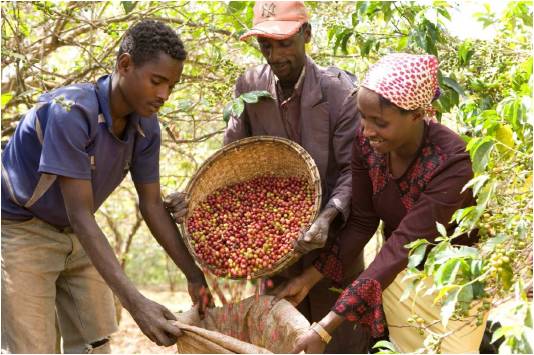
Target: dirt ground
130	340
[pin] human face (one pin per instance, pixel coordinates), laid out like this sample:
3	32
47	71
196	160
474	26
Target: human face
286	57
385	126
145	88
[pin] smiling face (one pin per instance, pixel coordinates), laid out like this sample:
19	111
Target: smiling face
286	57
385	126
146	87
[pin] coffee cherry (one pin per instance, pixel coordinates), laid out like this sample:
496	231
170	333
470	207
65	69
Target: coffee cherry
243	228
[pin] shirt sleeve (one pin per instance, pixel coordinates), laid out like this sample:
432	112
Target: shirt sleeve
64	145
362	302
145	163
361	225
343	136
237	126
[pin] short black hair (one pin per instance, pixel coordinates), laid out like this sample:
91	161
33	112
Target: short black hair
147	38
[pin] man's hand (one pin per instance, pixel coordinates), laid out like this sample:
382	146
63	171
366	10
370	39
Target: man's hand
152	318
177	203
317	235
310	343
296	289
155	321
314	238
201	295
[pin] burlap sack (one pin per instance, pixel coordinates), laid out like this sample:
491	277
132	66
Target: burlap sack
252	326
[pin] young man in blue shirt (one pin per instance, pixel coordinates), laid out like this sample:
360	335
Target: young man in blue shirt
65	158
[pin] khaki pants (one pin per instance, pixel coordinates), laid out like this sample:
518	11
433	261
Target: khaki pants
45	271
466	336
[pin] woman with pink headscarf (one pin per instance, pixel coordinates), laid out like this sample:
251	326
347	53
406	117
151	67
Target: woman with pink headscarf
408	171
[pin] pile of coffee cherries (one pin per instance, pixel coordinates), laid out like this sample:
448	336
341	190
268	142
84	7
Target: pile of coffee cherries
243	228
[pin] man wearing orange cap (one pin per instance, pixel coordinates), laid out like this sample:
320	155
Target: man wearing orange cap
316	108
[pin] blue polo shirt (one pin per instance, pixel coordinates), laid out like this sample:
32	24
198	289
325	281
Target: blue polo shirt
68	133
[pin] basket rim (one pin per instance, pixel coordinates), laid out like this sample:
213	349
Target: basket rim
292	255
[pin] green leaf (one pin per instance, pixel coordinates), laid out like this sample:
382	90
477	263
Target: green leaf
478	290
430	264
445	290
331	33
466	252
6	97
453	84
466	294
417	255
473	142
236	6
506	276
528	317
502	331
505	135
238	106
386	11
481	155
183	104
361	6
476	183
354	19
444	102
441	229
447	309
384	344
447	272
465	53
402	43
252	97
492	243
365	47
339	38
344	42
444	13
336	290
416	243
524	345
227	112
462	213
406	293
128	6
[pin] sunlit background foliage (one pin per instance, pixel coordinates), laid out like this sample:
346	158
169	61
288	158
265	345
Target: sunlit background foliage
486	97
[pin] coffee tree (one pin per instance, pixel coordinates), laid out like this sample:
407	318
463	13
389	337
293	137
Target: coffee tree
486	97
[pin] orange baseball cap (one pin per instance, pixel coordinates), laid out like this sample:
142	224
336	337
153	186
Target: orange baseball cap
277	19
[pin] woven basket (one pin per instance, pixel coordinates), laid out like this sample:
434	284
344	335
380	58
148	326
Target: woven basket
244	160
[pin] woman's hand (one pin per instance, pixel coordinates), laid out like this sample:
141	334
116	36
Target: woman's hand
297	289
310	343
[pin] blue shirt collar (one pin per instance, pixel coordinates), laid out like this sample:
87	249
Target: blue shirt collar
103	89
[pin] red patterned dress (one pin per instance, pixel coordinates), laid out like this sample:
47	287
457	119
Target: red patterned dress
429	191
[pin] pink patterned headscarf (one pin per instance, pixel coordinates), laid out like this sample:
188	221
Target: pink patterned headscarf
409	81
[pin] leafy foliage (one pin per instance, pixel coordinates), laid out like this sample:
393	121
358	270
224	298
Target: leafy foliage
486	97
237	106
